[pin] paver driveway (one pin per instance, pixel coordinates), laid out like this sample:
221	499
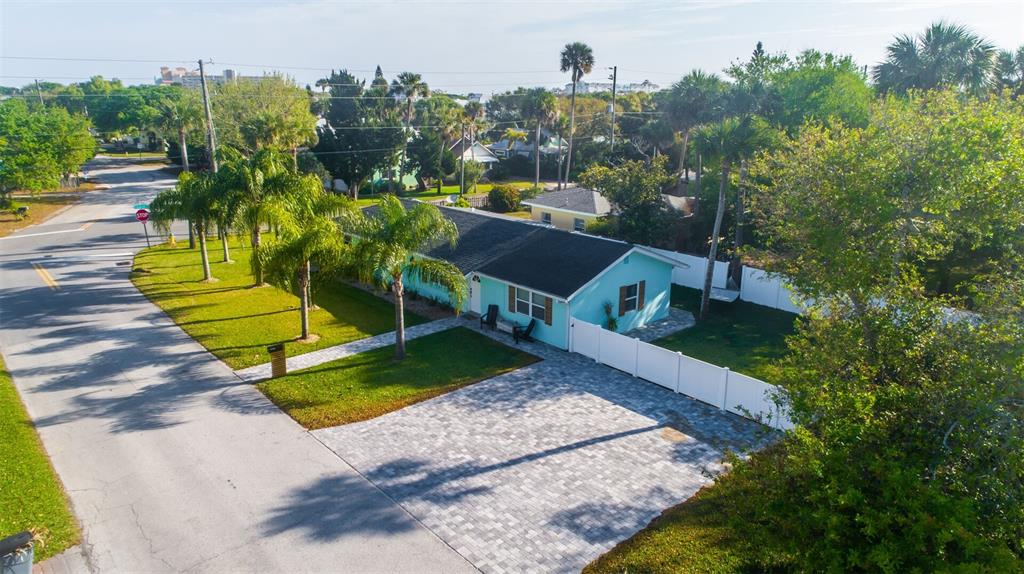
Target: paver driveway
545	468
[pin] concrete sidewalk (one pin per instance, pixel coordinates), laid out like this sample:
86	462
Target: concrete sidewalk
306	360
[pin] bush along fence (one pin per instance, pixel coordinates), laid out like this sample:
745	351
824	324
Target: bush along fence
711	384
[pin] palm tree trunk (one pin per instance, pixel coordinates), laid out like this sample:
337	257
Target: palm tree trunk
295	158
536	157
697	183
201	232
440	164
572	127
399	291
682	159
304	299
736	266
560	158
224	243
705	297
257	239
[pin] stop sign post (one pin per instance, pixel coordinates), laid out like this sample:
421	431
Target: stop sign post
143	216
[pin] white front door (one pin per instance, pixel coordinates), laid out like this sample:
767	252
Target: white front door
474	295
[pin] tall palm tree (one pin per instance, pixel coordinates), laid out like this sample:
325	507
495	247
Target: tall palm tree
309	235
943	55
387	252
192	199
695	99
182	113
408	86
729	140
260	188
578	59
1009	71
541	107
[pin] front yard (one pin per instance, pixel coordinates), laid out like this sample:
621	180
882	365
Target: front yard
31	494
371	384
743	336
236	321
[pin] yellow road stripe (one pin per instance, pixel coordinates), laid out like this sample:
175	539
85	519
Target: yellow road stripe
46	277
86	226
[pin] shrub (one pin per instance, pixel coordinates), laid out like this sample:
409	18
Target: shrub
503	198
462	202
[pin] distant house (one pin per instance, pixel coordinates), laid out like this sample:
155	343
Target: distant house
571	209
549	147
474	151
537	273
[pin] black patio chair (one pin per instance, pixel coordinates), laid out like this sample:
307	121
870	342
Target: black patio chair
490	318
521	334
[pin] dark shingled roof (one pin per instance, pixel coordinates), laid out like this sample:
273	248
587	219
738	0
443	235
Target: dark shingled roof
534	256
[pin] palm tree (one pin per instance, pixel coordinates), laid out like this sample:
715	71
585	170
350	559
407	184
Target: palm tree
309	234
408	86
730	140
513	135
695	99
261	185
540	106
944	55
1009	71
447	121
181	113
193	199
578	59
387	252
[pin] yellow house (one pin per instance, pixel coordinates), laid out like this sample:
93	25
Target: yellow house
570	209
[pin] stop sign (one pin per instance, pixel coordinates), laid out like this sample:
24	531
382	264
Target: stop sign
142	215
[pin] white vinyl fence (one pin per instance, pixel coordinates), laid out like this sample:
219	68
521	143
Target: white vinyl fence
758	286
711	384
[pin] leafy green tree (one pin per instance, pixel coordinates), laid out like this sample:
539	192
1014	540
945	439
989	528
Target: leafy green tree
387	250
473	171
822	88
363	131
540	107
753	92
309	235
503	198
944	55
634	190
193	199
40	147
271	112
910	451
429	157
931	188
578	59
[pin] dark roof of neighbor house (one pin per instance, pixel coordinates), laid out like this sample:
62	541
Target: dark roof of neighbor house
578	199
534	256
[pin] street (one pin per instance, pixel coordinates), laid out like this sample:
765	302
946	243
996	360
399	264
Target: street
170	461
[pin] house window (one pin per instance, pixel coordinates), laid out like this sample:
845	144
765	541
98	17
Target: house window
529	303
631	297
545	217
578	224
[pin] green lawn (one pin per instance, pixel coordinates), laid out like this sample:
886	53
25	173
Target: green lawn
446	190
31	495
695	537
371	384
742	336
236	321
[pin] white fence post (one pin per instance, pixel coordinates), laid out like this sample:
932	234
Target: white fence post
636	355
679	369
725	388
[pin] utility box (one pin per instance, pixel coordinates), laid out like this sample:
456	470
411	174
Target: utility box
278	361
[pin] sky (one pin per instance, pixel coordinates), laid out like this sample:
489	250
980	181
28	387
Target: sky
478	46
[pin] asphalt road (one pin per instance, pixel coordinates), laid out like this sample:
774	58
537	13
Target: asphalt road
171	463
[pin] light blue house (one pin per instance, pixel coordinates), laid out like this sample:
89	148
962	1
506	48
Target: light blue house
535	272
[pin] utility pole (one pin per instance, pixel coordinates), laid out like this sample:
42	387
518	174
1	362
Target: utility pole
39	92
211	138
614	78
462	161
